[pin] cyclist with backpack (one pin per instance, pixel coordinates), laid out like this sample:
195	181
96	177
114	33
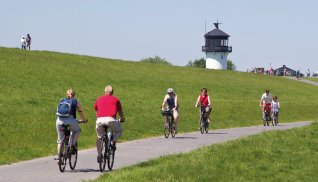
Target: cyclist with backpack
66	114
170	102
107	107
205	102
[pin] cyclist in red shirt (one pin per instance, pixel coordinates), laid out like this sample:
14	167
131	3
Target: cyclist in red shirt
107	107
205	102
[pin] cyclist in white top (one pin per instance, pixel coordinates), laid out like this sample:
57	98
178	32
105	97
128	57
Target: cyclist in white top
266	102
275	106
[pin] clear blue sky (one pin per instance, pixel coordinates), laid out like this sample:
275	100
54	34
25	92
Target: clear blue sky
262	32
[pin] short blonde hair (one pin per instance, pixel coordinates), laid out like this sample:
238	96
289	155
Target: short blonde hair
108	89
70	93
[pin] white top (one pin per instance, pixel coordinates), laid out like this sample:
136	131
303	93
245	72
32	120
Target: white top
23	41
267	98
275	106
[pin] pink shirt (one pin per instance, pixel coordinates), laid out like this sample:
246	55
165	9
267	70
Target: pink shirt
107	106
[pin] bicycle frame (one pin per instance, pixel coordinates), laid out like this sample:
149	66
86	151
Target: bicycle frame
204	124
169	120
108	155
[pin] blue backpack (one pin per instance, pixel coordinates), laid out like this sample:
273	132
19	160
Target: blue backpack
64	108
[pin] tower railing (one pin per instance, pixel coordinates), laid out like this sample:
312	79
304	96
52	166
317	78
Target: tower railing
217	49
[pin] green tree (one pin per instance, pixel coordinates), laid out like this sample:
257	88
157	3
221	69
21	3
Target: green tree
230	65
155	60
197	63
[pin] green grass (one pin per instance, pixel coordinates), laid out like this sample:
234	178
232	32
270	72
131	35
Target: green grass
290	155
32	82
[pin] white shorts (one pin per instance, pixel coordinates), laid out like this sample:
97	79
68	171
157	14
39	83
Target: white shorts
110	122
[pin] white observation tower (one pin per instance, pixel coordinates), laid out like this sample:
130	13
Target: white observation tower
216	48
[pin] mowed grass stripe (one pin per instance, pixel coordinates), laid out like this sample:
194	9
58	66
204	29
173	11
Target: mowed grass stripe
289	155
32	82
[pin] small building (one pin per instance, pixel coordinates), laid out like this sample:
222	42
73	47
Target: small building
285	71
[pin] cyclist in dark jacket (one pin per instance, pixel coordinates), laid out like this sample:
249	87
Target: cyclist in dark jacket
170	102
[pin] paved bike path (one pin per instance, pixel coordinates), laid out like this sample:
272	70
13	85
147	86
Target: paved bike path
128	153
304	80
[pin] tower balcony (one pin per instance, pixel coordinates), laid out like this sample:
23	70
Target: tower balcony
217	49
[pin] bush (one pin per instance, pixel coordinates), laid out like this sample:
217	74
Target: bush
155	60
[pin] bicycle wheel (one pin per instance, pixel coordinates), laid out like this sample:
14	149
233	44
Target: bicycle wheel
110	155
173	129
206	126
102	161
73	158
63	158
201	126
275	120
166	128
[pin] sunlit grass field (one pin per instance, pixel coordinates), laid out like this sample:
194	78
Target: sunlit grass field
290	155
32	82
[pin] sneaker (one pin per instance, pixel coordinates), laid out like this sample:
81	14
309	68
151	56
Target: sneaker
58	156
113	146
73	149
60	162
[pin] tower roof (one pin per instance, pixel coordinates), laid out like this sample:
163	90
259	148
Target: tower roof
216	33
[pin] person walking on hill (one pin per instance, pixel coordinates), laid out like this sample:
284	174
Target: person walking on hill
23	43
170	102
69	119
266	103
107	107
28	42
205	102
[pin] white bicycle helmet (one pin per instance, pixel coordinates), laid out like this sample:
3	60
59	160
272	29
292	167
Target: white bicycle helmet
170	90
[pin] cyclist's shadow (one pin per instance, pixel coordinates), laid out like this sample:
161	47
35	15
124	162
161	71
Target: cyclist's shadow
84	170
184	137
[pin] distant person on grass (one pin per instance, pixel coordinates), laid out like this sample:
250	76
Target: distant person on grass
69	119
205	102
266	103
107	107
275	106
28	41
170	102
23	43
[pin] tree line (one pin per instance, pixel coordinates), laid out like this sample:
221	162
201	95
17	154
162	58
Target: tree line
197	63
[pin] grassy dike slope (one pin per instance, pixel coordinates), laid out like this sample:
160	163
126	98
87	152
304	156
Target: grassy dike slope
32	82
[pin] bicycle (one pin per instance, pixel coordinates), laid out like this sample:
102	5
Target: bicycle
204	124
67	152
107	150
275	118
169	126
267	117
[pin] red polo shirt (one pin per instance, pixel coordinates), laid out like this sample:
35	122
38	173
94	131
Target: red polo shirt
107	106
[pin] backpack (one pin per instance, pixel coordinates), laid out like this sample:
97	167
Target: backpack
64	107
